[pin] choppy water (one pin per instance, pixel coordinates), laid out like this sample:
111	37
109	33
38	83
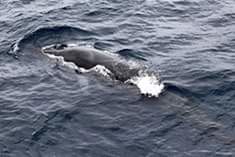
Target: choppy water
47	109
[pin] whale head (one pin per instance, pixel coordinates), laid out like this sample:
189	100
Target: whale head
82	57
54	49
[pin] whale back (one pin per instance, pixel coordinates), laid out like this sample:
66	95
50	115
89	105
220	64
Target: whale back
89	57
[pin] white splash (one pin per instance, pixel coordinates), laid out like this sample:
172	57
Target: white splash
16	47
98	68
148	84
61	61
72	44
101	70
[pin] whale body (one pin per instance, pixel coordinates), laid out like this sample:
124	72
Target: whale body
90	57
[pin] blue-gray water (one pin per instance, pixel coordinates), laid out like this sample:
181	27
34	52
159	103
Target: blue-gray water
47	110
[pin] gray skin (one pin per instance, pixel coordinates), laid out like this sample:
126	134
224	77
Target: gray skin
90	57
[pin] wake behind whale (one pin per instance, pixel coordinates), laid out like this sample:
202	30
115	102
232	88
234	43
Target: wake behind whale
119	66
110	65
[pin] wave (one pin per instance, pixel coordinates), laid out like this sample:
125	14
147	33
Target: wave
51	35
44	36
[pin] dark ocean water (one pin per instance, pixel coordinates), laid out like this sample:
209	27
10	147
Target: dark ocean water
48	110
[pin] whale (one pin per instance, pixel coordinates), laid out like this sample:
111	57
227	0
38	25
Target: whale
88	58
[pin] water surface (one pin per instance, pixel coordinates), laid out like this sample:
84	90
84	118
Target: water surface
47	109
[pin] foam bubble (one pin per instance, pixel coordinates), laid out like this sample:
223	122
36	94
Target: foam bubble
148	84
